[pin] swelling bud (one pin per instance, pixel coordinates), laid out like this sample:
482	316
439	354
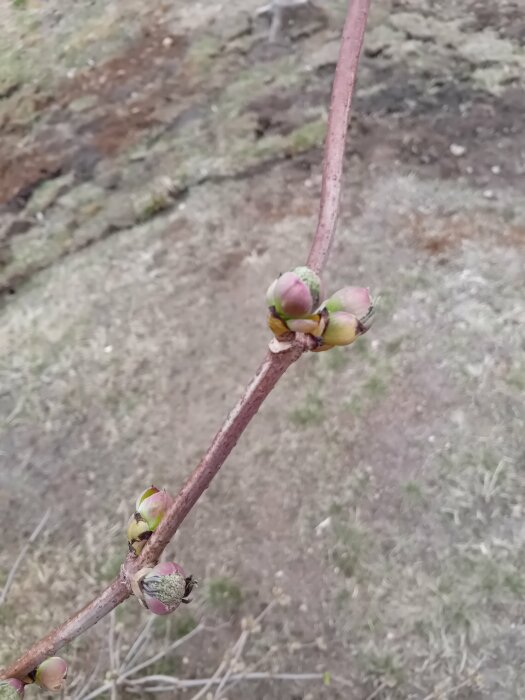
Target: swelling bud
51	674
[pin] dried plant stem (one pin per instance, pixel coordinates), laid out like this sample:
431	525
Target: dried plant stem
268	374
169	683
11	575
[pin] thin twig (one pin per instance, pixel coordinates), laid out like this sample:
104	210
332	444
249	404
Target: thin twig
136	647
170	682
239	647
113	661
376	692
87	685
268	374
12	573
444	693
157	657
334	149
124	674
216	678
234	660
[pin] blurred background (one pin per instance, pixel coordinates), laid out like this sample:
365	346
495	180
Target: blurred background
159	165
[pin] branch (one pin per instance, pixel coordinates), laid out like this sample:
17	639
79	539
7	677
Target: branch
115	594
268	374
334	148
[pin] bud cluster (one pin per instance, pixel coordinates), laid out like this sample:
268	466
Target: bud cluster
295	303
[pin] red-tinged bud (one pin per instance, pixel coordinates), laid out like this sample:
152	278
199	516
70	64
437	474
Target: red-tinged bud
295	294
152	505
51	674
165	587
353	300
11	689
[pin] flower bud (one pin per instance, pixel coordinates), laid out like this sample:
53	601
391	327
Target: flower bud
165	587
51	674
313	325
152	505
295	294
354	300
138	533
11	689
341	329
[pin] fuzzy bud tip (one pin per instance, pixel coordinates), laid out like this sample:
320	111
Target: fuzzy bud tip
11	689
165	587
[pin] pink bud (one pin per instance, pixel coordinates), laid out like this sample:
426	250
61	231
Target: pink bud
165	587
51	674
152	505
296	293
354	300
11	689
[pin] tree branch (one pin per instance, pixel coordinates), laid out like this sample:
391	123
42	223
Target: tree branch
334	148
115	594
268	374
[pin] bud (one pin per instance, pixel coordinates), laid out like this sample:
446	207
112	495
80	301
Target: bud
313	325
295	294
165	587
51	674
138	533
354	300
152	505
11	689
341	329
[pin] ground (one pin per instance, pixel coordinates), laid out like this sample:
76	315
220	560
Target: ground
159	165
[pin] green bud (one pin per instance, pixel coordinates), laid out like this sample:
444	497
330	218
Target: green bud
152	505
341	329
354	300
51	674
138	533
